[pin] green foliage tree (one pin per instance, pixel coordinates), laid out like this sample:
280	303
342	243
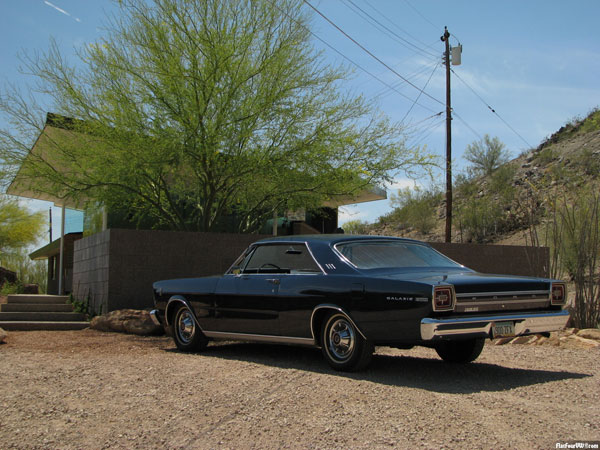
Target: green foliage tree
486	155
356	227
19	227
416	208
484	211
195	113
28	271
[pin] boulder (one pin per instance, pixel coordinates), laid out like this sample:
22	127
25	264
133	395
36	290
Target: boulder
131	321
590	333
3	336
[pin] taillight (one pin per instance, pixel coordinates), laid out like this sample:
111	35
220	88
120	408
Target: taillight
443	298
558	294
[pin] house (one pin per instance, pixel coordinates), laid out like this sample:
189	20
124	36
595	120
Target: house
91	266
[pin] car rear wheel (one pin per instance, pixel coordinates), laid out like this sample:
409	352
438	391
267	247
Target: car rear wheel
463	351
186	333
343	346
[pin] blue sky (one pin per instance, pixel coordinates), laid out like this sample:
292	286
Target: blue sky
536	63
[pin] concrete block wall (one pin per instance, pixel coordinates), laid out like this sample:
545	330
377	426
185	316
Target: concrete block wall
115	269
499	259
91	257
119	266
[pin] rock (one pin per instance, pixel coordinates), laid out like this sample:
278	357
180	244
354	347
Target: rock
524	340
3	336
575	341
131	321
590	333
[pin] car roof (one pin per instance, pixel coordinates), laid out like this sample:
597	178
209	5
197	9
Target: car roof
332	239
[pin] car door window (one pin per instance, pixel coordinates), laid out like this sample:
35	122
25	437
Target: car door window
281	258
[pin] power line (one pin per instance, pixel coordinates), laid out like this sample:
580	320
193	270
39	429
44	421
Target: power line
419	96
412	76
422	16
391	33
349	59
492	109
466	124
398	27
412	125
369	52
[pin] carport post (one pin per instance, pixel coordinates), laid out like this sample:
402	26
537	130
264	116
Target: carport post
62	252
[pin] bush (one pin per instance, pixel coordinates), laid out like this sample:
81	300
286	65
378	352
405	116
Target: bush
12	288
577	240
416	208
356	227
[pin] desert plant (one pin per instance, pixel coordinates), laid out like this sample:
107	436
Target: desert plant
579	250
416	208
356	227
486	155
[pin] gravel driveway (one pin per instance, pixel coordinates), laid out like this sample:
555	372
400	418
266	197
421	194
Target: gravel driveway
87	389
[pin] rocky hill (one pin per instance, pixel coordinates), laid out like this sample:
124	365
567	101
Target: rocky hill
502	207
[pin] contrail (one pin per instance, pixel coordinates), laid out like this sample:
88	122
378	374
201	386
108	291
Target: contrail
60	10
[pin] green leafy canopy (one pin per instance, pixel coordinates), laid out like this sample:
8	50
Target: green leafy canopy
191	111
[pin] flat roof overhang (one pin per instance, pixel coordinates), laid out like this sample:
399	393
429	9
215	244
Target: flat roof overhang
370	194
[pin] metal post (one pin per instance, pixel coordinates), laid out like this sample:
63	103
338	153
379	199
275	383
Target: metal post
61	287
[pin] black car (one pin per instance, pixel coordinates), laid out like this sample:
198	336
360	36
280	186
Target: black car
347	294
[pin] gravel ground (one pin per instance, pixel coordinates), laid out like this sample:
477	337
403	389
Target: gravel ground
87	389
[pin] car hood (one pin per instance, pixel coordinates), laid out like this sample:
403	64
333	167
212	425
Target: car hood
474	282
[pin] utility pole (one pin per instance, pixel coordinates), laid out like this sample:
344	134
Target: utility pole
444	38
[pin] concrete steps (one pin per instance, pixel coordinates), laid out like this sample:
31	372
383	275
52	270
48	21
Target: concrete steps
40	312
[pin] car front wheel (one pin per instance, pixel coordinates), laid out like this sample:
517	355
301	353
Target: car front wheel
343	346
463	351
186	333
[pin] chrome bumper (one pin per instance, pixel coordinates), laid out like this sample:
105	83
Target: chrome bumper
482	325
154	317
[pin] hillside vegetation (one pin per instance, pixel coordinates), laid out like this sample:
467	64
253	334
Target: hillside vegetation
502	206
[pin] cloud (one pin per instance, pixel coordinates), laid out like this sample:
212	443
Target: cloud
62	11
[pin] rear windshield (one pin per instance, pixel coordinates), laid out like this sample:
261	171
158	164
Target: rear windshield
390	254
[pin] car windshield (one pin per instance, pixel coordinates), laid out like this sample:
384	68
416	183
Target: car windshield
391	254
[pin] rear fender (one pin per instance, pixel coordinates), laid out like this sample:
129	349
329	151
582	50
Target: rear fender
319	314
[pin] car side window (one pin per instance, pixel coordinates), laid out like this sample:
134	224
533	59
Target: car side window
281	258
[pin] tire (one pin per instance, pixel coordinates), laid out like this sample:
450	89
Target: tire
343	346
187	334
464	351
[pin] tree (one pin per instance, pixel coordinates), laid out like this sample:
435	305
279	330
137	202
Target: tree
199	114
486	155
416	208
19	227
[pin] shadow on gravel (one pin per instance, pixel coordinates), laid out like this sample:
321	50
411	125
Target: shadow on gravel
422	373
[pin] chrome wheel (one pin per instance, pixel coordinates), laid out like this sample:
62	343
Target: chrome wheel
186	333
186	327
341	339
342	344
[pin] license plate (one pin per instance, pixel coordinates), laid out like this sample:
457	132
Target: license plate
503	329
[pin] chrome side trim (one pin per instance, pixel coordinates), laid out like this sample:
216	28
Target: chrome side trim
259	338
505	302
154	317
465	326
335	308
501	294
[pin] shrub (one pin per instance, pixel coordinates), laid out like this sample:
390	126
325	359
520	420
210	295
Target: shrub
416	208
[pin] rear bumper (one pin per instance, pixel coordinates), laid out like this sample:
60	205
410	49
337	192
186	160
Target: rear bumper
481	326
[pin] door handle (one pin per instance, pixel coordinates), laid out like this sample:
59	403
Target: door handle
273	280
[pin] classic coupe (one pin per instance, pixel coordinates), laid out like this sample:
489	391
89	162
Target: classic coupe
347	294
